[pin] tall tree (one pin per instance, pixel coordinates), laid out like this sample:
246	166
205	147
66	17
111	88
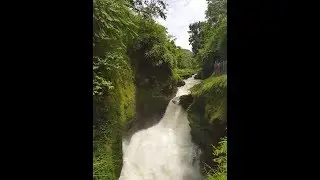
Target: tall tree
196	39
209	38
113	26
217	9
150	8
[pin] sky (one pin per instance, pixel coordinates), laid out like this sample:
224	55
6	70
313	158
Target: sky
180	14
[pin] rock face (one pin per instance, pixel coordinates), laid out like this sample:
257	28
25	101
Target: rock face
150	107
198	76
180	83
204	133
207	116
186	101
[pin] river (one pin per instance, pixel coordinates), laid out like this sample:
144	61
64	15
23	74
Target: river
164	151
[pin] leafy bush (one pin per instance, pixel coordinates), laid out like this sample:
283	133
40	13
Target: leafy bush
220	154
113	27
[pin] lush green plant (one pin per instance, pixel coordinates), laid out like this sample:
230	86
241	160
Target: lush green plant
220	154
150	8
128	48
209	38
217	10
134	60
185	73
152	46
197	39
185	59
113	27
208	117
214	90
112	112
113	83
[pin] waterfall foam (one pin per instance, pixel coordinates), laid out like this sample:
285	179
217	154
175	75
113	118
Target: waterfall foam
164	151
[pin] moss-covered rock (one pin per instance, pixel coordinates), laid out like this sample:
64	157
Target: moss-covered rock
155	86
207	116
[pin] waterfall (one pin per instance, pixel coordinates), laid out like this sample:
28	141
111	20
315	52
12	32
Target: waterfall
164	151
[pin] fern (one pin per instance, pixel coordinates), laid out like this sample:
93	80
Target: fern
220	152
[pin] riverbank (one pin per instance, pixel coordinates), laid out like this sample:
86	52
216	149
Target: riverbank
206	107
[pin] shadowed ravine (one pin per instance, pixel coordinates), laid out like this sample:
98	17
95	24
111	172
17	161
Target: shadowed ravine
164	151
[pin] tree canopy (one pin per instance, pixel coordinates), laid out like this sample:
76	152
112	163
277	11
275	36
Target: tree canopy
209	38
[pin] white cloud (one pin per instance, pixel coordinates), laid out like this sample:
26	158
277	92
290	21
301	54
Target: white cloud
180	14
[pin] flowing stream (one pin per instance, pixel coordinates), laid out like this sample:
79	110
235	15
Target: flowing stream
164	151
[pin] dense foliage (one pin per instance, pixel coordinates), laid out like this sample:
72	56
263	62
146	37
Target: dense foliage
137	68
134	59
220	154
113	84
196	38
149	8
208	100
209	38
206	107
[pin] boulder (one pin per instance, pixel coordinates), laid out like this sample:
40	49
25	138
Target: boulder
186	101
180	83
198	76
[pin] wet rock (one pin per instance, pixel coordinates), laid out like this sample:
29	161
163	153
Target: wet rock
198	76
180	83
175	100
186	101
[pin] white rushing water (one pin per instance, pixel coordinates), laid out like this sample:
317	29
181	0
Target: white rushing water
164	151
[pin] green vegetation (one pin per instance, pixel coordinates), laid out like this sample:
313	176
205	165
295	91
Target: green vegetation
196	38
113	84
113	111
207	103
214	91
207	115
209	38
185	73
220	152
136	70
